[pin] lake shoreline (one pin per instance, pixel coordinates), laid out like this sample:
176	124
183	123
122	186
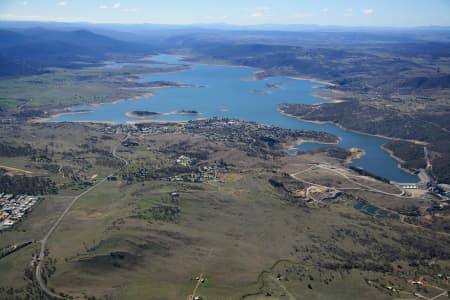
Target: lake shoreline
312	79
135	122
356	153
359	132
133	114
58	114
320	92
400	161
66	110
328	98
293	145
353	130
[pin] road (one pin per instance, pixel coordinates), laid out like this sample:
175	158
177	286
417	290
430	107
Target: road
367	188
15	169
288	294
40	280
194	292
363	186
23	105
442	294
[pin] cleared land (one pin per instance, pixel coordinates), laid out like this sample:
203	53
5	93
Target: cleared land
245	232
34	96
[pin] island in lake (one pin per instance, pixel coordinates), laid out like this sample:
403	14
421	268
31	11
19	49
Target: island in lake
273	85
147	114
261	92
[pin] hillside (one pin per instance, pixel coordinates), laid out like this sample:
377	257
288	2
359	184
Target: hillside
30	51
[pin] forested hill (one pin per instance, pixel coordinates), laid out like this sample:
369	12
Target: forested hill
30	51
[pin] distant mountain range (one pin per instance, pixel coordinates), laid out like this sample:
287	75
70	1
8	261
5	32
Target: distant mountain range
31	47
213	26
31	50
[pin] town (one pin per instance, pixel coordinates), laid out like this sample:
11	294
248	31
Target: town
14	208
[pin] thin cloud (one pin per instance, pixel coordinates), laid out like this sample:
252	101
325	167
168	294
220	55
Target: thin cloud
302	15
261	11
348	12
215	17
130	10
25	3
116	5
325	10
368	11
263	8
15	17
62	3
258	15
103	6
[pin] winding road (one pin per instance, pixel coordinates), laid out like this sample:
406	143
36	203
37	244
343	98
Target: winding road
39	278
363	187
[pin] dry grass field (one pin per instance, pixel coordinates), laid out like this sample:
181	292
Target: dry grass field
248	238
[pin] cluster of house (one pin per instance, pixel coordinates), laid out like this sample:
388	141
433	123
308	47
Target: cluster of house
184	160
225	130
110	129
231	130
422	282
443	190
202	174
157	129
144	129
14	208
8	121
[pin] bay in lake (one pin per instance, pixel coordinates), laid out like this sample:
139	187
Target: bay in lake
222	91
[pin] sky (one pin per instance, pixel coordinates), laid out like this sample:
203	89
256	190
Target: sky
397	13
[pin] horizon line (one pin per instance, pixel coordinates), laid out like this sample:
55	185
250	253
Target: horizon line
223	24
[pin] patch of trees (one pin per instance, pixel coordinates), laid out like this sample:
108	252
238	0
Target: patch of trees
11	249
288	186
286	183
361	117
428	247
269	140
11	150
435	82
30	185
366	173
29	291
164	213
53	168
390	122
144	113
107	161
441	168
412	154
30	113
116	259
336	152
140	174
439	118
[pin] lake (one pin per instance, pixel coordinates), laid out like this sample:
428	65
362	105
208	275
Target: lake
225	91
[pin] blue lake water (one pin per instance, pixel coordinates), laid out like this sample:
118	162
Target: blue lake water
222	91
